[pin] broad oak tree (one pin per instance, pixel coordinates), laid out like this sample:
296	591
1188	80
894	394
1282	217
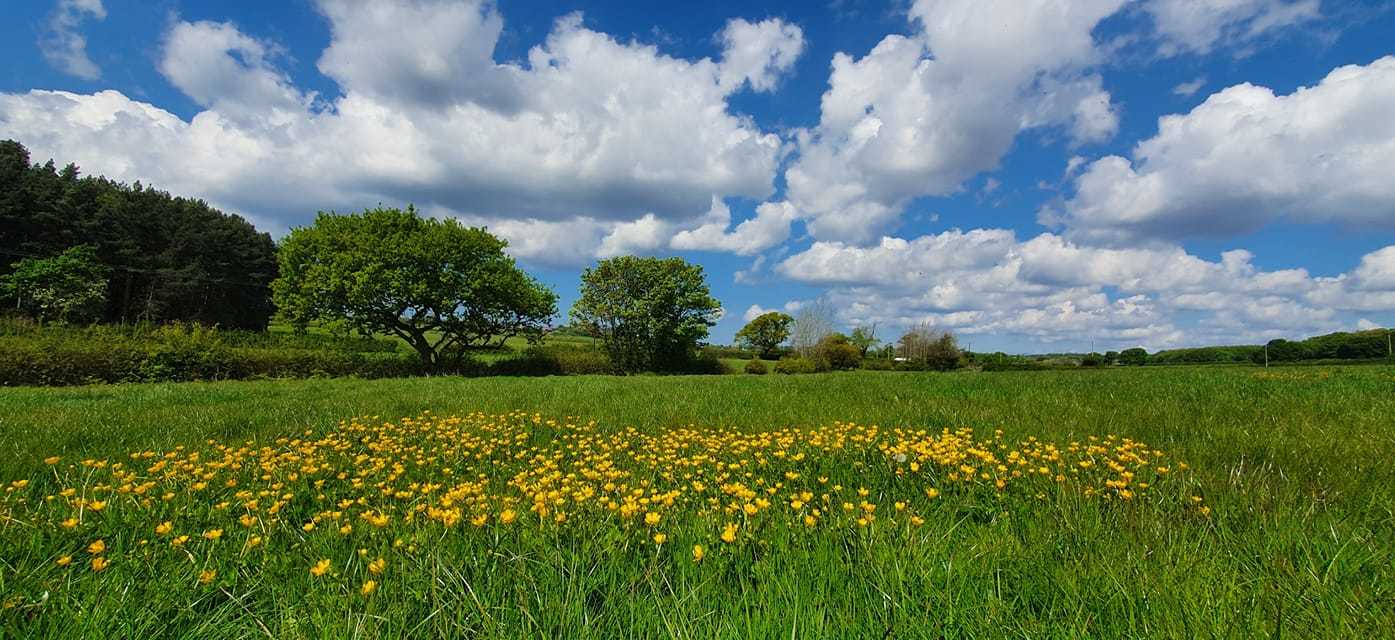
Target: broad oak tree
440	286
765	332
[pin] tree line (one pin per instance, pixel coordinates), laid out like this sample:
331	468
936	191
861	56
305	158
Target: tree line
87	249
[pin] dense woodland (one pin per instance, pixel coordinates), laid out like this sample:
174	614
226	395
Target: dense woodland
167	258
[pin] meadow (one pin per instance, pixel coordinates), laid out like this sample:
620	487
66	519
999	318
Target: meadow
1118	502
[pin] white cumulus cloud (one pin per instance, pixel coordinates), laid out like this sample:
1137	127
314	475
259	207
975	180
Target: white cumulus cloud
920	114
1247	157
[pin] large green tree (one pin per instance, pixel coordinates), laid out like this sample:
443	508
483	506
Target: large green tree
651	313
440	286
68	287
765	332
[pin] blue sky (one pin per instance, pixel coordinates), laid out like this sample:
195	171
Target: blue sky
996	168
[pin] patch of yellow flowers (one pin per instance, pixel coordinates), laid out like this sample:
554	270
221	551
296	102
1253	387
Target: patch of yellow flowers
423	479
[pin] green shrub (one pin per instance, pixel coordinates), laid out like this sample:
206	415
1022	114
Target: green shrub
1092	360
1135	357
795	364
836	352
757	368
552	361
878	364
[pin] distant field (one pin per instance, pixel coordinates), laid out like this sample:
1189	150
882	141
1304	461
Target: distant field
1280	523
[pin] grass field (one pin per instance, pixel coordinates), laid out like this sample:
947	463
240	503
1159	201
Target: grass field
1270	513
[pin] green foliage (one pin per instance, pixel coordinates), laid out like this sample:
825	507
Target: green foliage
1372	344
552	361
650	313
1000	361
837	353
1134	357
726	352
1205	355
927	348
174	352
68	287
441	287
765	332
756	367
796	364
878	364
864	338
168	258
1092	360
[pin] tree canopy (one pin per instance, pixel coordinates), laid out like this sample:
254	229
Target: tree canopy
440	286
68	287
765	332
167	258
864	338
651	313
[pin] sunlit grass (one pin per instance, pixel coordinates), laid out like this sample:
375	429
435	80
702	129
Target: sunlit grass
881	504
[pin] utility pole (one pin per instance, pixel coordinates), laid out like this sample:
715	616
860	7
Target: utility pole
1266	355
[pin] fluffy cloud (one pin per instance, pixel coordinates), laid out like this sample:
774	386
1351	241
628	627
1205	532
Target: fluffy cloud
1247	157
1376	271
758	53
1050	289
614	139
447	60
63	45
1197	26
919	115
230	74
769	227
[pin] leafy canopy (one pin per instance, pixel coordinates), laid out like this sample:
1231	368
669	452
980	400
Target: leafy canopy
651	313
440	286
68	287
864	338
765	332
169	258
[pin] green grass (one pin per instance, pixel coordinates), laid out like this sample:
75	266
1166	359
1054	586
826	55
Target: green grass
1293	462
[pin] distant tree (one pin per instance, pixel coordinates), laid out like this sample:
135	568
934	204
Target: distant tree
1111	357
1092	359
651	313
70	287
765	332
924	346
812	322
835	351
440	286
1135	357
864	338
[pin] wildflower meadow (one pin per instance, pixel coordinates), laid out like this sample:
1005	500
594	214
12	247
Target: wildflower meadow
494	522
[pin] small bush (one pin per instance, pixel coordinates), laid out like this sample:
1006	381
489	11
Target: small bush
757	368
795	364
1092	360
878	364
837	353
